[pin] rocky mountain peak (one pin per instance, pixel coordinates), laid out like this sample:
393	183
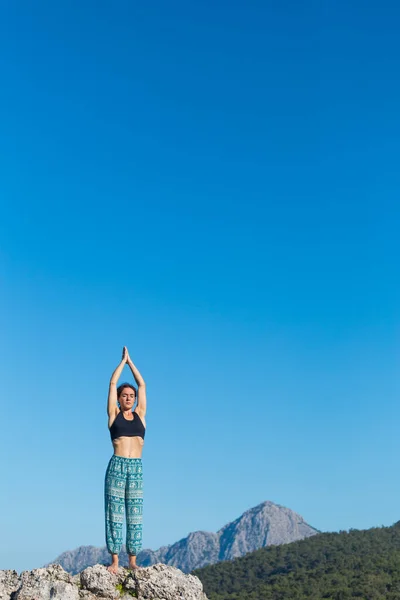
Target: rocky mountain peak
263	525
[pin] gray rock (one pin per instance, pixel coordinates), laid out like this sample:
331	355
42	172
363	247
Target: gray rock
9	583
157	582
50	583
164	582
100	582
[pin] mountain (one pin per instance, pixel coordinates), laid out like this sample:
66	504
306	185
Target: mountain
263	525
362	564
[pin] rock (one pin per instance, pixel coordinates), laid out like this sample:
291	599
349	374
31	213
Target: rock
163	582
100	582
50	583
157	582
9	582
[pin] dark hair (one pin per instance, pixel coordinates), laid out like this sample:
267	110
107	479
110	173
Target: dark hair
121	387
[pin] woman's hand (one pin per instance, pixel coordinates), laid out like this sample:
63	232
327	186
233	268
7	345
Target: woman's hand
125	354
112	394
128	358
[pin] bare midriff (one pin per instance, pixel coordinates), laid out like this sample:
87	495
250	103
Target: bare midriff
128	447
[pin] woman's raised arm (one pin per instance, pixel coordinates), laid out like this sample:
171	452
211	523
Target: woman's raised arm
142	402
112	392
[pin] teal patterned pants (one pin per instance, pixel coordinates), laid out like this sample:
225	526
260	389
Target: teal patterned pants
123	493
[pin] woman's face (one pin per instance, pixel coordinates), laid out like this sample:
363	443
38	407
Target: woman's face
127	398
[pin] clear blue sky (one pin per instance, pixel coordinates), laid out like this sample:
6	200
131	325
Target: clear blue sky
215	185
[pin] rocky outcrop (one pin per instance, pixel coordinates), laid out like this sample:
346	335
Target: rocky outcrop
265	524
158	582
9	583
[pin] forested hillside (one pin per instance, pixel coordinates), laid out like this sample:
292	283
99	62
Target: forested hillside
354	564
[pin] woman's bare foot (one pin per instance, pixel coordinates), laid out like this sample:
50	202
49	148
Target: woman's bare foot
132	562
113	568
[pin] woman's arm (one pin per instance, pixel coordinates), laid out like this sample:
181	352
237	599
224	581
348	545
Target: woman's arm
112	392
141	403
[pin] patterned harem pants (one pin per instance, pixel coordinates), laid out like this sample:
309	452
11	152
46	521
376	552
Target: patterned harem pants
123	489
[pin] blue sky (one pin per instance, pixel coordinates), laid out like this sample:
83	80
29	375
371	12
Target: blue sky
215	185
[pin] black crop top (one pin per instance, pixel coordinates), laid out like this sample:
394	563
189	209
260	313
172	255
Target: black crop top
123	427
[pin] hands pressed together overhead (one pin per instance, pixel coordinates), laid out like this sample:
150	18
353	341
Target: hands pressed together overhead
125	355
126	359
112	398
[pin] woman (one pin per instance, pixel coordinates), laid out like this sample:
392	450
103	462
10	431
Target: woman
123	489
